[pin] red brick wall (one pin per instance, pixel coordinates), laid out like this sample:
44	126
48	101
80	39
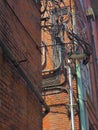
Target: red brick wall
20	31
59	116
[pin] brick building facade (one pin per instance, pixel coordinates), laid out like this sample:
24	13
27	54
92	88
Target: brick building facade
69	62
20	64
69	32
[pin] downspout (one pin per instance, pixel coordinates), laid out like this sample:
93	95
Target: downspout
70	76
25	77
71	96
79	82
80	96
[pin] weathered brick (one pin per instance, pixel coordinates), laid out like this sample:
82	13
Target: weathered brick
20	32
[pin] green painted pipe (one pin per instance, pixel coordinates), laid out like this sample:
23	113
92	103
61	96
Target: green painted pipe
79	80
80	97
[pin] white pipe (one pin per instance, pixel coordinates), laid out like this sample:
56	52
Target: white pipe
44	54
71	96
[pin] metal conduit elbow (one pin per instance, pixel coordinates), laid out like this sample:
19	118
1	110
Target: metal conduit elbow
25	77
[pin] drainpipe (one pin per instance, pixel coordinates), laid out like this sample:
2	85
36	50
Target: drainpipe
79	81
80	96
25	77
71	96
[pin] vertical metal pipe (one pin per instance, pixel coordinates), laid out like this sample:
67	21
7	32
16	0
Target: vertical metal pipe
69	70
71	96
78	72
80	96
